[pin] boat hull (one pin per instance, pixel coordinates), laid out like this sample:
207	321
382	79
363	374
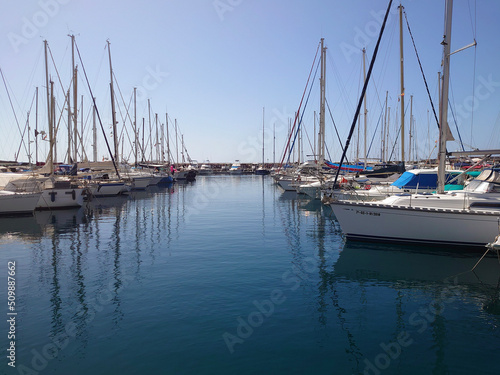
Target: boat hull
416	225
108	189
18	203
61	198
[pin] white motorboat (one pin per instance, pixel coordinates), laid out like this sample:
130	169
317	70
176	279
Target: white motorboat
236	168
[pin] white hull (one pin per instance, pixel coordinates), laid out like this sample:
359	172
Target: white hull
286	184
155	180
140	183
418	225
61	198
18	203
110	189
313	191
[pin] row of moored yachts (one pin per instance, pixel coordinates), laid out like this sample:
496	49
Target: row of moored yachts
405	208
23	192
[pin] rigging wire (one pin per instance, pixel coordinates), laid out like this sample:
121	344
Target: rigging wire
300	105
370	69
302	115
97	112
14	112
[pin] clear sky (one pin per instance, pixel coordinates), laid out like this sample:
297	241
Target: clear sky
215	64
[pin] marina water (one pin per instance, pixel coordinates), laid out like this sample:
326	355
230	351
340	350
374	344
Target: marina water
229	275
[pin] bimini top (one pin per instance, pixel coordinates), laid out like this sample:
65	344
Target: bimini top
423	179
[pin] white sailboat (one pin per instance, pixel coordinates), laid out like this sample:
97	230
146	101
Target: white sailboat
463	218
18	203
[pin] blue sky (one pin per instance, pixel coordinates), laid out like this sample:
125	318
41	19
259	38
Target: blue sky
214	64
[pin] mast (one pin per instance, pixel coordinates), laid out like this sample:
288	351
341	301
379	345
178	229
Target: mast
75	101
29	139
402	84
410	148
443	121
51	129
49	113
94	134
70	121
263	109
81	133
384	130
274	144
36	127
176	142
136	141
157	145
365	156
142	146
150	135
321	133
113	113
314	134
168	140
162	146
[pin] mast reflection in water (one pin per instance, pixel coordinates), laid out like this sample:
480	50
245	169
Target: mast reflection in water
230	275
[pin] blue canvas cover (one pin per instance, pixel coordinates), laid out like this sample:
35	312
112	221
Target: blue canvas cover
410	180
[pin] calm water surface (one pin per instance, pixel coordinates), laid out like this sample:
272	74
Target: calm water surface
229	275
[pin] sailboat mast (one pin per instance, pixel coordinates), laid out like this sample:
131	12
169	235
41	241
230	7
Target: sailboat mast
263	111
443	121
168	140
113	113
402	84
51	129
136	141
70	125
314	134
29	139
162	146
384	129
274	144
36	127
81	130
365	156
410	148
75	101
321	133
94	133
49	120
157	146
150	135
176	142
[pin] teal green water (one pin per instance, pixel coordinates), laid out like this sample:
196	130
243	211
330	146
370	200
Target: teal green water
229	275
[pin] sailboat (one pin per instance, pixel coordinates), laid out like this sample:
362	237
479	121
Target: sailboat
262	171
469	217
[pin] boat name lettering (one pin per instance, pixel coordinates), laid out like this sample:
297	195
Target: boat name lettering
367	213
